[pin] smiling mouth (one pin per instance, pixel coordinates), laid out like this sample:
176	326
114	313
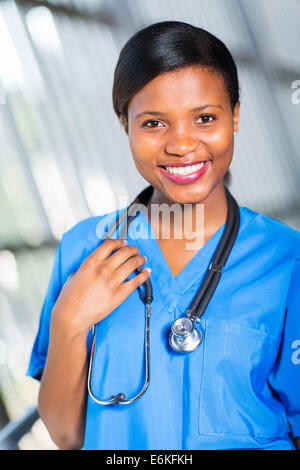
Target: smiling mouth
181	169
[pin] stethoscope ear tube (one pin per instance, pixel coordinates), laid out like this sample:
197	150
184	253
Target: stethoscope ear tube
120	398
188	341
220	264
114	399
213	275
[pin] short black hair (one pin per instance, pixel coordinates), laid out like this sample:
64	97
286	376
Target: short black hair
166	46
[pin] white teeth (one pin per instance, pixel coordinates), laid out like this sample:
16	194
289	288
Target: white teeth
184	170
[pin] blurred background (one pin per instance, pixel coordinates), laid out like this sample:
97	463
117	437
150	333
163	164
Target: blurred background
65	157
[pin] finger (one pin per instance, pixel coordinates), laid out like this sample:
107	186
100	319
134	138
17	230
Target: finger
128	287
106	248
123	271
122	255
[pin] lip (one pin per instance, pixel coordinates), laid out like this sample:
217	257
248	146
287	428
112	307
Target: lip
182	164
185	179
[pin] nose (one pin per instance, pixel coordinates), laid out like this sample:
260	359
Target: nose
181	144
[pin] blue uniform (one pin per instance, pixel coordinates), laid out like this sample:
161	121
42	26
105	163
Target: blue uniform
240	389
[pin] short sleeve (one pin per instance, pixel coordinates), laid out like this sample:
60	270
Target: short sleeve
285	376
40	347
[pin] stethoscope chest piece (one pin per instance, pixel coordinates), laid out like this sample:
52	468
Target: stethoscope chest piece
184	335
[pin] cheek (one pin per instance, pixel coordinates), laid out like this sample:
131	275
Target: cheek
221	143
143	147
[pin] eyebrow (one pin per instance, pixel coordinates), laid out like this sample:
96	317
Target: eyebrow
198	108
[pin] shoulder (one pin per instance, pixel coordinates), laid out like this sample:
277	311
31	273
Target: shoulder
271	232
83	238
89	229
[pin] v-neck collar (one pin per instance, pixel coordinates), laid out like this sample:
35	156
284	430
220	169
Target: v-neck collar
161	270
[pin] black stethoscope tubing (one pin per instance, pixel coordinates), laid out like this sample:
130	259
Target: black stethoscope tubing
201	299
213	275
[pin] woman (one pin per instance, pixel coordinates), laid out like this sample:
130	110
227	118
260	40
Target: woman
176	93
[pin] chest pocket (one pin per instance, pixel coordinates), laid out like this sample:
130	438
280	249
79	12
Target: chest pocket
235	398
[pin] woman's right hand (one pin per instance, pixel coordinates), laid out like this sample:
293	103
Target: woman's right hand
97	288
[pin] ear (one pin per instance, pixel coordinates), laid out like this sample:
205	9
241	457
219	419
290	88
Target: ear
236	114
124	123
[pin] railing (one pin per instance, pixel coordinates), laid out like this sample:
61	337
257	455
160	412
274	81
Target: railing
11	434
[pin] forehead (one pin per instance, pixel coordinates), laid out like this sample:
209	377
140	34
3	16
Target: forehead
184	88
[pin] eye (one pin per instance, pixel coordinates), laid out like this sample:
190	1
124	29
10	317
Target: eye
147	122
206	116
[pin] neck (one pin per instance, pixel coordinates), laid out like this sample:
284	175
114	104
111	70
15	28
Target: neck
206	215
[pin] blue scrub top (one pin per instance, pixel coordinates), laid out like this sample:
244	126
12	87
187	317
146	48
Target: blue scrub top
240	389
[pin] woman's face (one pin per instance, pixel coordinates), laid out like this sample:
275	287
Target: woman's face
165	129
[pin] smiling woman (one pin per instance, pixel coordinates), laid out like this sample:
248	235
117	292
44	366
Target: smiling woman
176	93
187	151
177	97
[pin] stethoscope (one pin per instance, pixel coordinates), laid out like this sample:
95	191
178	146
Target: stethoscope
185	335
